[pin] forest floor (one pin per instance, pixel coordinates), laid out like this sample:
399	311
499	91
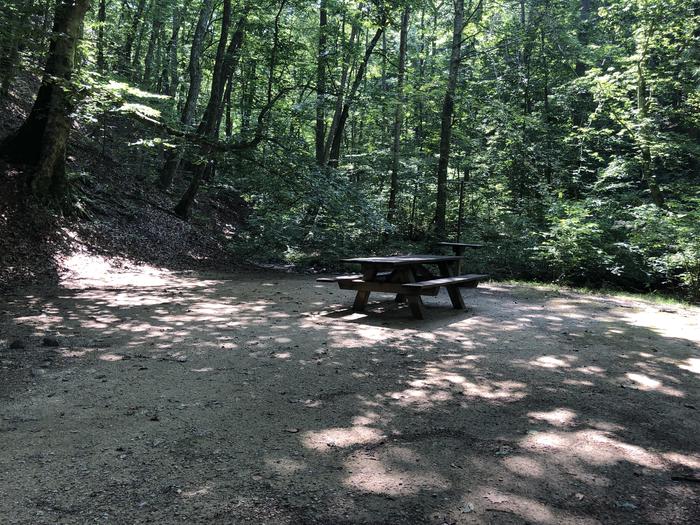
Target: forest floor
143	395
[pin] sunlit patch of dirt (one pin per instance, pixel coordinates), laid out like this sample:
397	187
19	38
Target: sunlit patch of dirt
152	395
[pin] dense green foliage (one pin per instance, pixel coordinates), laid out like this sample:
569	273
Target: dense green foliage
575	133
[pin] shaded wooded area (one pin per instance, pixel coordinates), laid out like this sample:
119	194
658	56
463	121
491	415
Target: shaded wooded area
564	134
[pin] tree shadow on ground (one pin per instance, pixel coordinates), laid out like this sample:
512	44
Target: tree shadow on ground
265	399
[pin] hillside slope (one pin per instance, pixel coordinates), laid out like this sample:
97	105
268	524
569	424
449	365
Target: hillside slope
119	213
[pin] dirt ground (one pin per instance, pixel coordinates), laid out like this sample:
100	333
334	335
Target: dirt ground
261	398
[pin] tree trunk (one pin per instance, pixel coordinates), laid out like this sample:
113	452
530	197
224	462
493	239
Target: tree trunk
545	113
153	42
321	82
8	61
224	65
340	98
247	99
41	140
420	66
657	196
194	68
174	157
172	78
337	133
101	20
135	68
228	128
446	121
208	125
184	206
131	37
398	117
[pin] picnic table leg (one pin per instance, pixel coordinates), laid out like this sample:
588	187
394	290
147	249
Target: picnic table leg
362	297
452	289
415	303
361	300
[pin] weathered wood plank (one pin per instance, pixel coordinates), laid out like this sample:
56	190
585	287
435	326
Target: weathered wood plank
336	278
447	281
374	286
452	289
361	301
403	260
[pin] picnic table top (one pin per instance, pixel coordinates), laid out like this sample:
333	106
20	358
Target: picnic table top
402	260
465	244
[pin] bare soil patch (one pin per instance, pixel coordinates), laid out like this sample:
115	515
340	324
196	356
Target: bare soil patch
260	398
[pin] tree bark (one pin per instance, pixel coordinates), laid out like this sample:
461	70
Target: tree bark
131	37
171	76
135	68
173	157
333	154
101	20
340	98
153	42
398	117
194	68
321	82
224	64
446	120
41	140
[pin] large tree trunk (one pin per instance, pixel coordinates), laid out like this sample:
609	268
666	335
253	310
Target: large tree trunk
446	121
321	82
42	138
398	117
226	59
340	98
194	69
224	64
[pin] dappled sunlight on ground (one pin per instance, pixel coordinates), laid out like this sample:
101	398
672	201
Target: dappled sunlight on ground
398	473
219	393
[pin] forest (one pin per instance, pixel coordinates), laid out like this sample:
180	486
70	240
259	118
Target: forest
231	284
563	134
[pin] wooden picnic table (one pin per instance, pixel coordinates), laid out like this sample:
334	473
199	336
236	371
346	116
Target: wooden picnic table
408	277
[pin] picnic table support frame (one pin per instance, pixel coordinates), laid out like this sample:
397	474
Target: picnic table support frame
415	303
452	289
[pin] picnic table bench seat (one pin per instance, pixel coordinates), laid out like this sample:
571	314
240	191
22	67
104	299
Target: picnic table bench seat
470	278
